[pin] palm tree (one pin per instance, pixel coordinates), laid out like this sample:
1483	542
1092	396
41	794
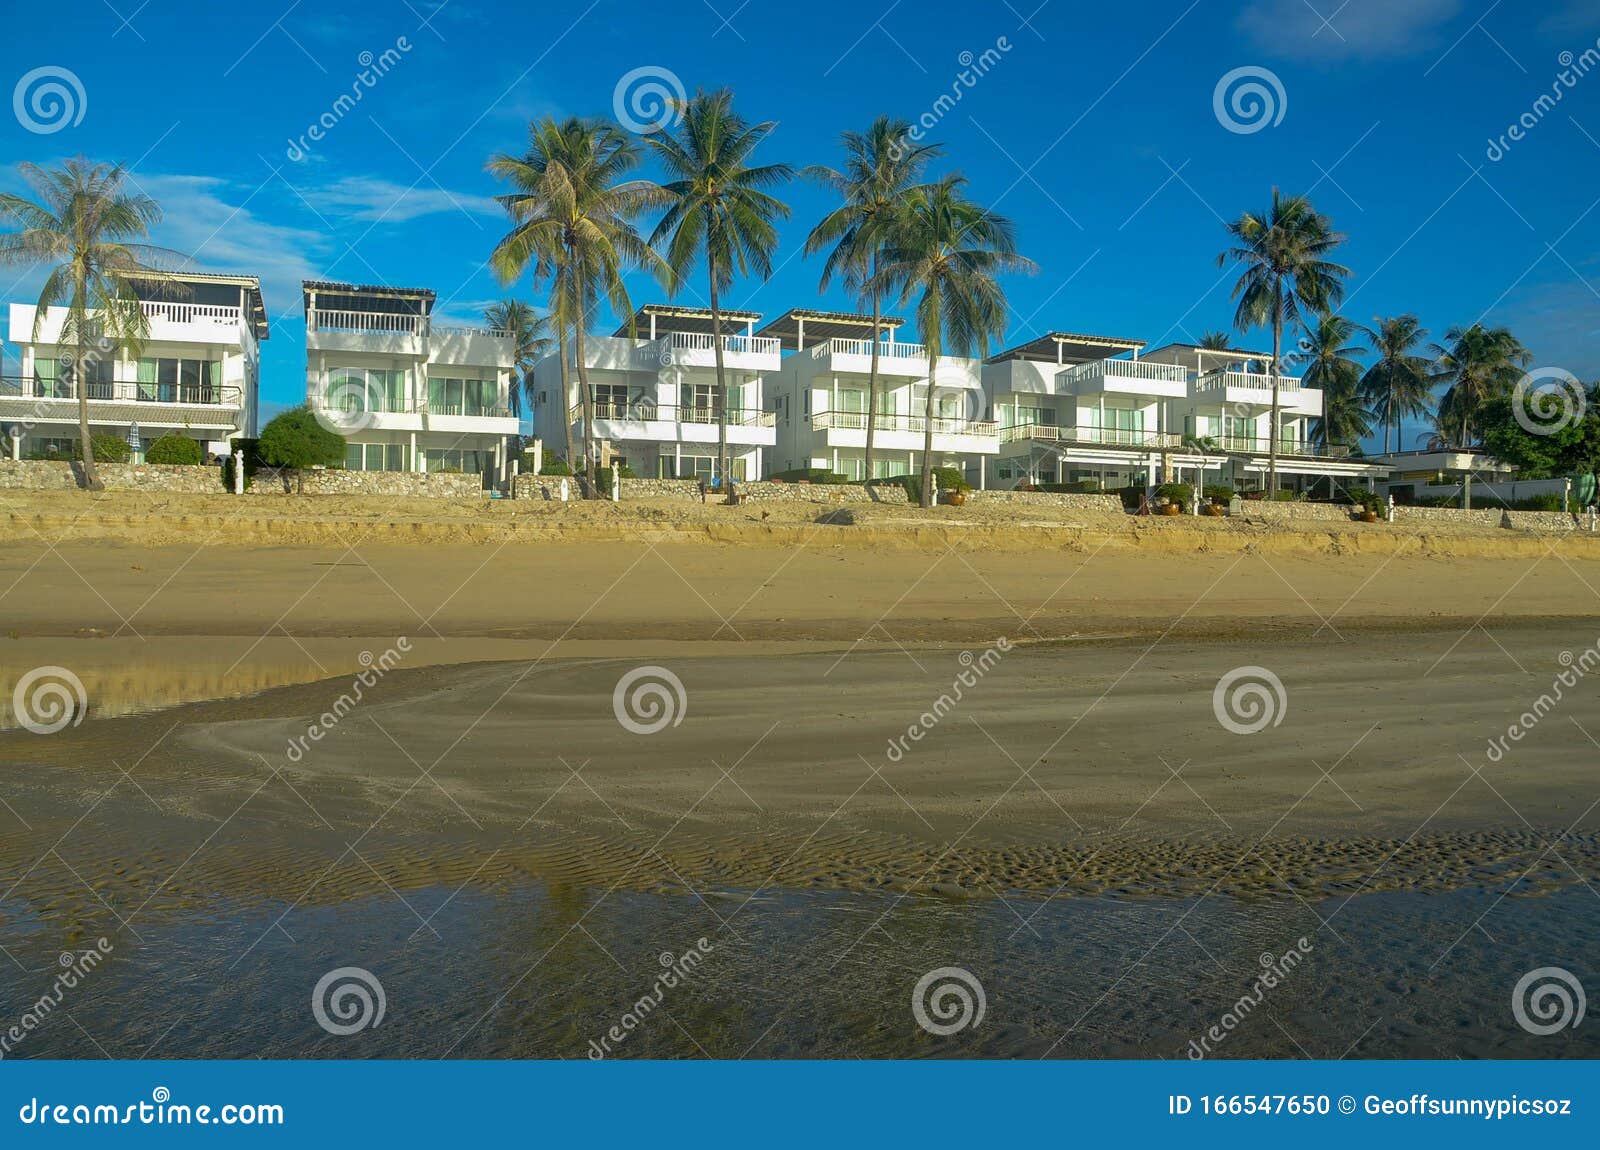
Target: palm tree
88	227
946	250
1395	387
881	171
1331	369
1286	275
573	224
1215	341
1478	364
719	207
531	341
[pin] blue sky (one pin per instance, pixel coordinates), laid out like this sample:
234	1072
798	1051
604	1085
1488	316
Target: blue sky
1096	131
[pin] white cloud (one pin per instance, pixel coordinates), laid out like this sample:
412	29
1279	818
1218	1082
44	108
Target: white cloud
374	200
1361	29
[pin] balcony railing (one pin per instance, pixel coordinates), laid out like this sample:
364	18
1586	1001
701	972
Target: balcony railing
1127	369
672	413
125	391
189	312
1255	381
942	425
1092	436
333	319
475	411
696	341
886	350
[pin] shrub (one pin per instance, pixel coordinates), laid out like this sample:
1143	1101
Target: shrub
1544	501
1130	496
174	449
252	462
295	439
1219	492
1179	493
1287	497
1363	498
814	475
555	466
107	448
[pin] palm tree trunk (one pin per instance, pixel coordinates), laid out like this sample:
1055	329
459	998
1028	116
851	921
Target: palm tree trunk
927	434
591	489
722	391
1272	419
91	480
566	395
872	388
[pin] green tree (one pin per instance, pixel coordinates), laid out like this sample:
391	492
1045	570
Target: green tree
719	209
573	214
173	448
1286	275
295	439
1573	448
1396	386
531	341
947	252
1331	369
1215	341
86	227
882	170
1476	364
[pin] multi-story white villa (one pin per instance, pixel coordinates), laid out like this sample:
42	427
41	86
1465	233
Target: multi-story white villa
196	375
408	394
656	406
1081	407
820	398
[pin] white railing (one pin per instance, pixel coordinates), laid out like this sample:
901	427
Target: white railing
942	425
490	332
225	395
1255	381
1092	436
326	319
1127	369
886	350
646	412
189	312
697	341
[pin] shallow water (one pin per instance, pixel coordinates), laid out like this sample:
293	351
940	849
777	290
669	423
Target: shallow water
543	972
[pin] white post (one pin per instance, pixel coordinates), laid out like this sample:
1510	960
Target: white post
933	486
238	472
1389	514
616	483
563	490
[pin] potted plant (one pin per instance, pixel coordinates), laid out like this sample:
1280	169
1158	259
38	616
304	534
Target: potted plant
1173	498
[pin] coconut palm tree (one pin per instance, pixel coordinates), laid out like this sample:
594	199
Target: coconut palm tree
719	209
1395	387
1476	364
573	216
1286	275
881	171
1331	369
531	341
87	227
946	251
1215	341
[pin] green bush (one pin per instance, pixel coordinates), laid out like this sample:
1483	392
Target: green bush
1130	496
295	439
1363	498
107	448
815	475
174	449
1288	497
252	461
1219	492
1180	493
1545	501
951	479
554	465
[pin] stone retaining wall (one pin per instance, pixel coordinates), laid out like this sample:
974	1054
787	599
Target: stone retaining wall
684	489
1284	512
1477	517
51	475
769	492
1084	501
391	484
1550	522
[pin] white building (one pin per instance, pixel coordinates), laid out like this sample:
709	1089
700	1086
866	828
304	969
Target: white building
820	398
197	373
408	394
656	405
1083	408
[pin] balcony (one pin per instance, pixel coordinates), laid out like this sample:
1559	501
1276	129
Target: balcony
201	406
855	355
393	333
907	432
1126	377
167	322
674	424
1124	439
696	349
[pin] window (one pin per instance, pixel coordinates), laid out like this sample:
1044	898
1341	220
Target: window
610	400
853	469
697	403
53	378
377	457
162	380
889	468
465	461
463	396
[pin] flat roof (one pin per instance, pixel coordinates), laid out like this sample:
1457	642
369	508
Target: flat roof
825	325
686	319
252	285
421	297
1235	352
1068	347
